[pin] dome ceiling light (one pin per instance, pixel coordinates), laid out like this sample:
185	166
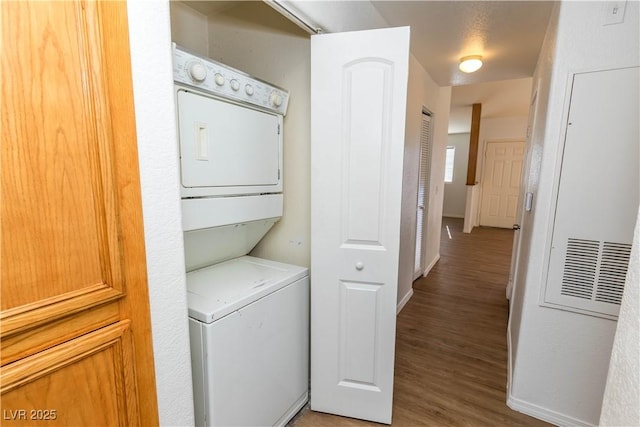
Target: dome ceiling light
469	64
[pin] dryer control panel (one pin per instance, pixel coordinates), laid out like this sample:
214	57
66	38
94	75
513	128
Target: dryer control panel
224	81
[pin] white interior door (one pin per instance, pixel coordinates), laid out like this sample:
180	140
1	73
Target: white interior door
424	182
358	103
525	198
501	183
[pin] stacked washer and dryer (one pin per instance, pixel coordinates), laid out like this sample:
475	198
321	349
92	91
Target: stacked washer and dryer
248	317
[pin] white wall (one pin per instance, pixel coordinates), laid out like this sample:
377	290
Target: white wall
422	93
500	99
189	28
258	40
560	359
621	404
455	192
155	121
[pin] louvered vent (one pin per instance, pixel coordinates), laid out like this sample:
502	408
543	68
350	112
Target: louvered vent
595	271
580	268
613	272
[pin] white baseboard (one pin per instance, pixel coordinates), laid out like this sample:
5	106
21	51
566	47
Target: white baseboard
544	414
404	301
453	215
431	264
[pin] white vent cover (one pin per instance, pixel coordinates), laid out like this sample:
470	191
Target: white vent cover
598	195
613	272
595	271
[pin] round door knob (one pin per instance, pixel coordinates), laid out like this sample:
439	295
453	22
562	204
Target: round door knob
197	71
516	226
359	265
219	78
248	89
235	85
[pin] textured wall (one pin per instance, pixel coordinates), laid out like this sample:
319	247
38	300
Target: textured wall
455	192
621	404
422	93
189	28
560	359
156	131
256	39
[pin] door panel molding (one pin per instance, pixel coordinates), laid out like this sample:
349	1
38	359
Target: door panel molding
31	368
100	364
40	312
37	338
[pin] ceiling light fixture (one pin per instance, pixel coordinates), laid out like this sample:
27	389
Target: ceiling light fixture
469	64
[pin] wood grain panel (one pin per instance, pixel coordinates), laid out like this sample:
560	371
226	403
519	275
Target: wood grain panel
40	338
32	315
59	226
73	257
474	142
85	381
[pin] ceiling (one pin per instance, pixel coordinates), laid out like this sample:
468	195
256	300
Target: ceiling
500	99
508	35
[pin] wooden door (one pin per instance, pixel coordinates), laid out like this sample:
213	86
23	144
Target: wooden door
501	183
75	327
358	104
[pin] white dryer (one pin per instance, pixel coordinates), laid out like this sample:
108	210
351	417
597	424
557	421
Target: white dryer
248	317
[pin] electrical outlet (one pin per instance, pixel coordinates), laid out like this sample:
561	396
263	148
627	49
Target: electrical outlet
614	12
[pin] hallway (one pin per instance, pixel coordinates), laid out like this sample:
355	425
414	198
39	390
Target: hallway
451	349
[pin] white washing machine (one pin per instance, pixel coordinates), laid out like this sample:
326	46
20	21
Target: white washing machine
248	317
249	331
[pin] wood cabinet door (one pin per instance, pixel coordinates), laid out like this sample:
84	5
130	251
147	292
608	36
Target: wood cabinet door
75	325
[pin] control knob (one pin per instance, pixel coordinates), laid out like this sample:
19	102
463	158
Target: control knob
275	99
248	89
235	85
197	71
219	79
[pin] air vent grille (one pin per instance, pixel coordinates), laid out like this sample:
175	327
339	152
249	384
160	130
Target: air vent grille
613	272
595	271
580	268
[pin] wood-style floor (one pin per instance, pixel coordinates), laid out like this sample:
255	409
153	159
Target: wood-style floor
451	349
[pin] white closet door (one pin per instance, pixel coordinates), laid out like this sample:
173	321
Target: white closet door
358	103
424	183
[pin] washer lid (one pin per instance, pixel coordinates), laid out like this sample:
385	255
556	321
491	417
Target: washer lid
215	291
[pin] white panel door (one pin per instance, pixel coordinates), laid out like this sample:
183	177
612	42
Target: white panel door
523	197
358	104
424	183
501	183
